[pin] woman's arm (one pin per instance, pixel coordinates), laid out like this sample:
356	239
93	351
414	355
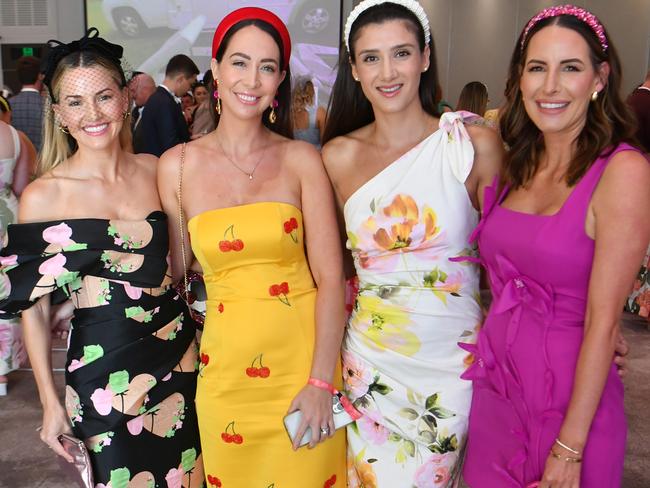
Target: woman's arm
25	166
488	160
324	255
168	179
621	232
37	342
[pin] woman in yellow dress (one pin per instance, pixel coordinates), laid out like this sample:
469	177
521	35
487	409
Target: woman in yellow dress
262	226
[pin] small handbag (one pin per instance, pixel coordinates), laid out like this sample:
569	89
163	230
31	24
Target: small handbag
192	288
80	469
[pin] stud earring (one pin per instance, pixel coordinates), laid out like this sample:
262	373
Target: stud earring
272	117
594	96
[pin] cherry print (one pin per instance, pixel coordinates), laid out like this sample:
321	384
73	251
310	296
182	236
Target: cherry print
225	246
280	291
261	372
230	245
264	372
237	245
252	372
330	482
233	438
220	307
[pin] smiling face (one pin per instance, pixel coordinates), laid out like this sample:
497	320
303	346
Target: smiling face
388	63
249	73
558	79
91	105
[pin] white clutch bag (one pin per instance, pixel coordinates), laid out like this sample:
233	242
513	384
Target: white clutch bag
341	419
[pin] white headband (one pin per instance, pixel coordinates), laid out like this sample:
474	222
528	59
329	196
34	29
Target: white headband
411	5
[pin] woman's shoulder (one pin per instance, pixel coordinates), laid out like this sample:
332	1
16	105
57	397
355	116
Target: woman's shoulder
344	150
39	198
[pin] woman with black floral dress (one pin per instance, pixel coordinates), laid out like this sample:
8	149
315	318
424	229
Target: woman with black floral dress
91	230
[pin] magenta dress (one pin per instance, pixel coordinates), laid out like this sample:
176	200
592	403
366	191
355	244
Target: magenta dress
526	355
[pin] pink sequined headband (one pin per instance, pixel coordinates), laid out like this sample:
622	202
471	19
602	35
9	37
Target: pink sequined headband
587	17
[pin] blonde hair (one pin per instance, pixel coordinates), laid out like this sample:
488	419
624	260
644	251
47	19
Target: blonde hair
58	145
303	95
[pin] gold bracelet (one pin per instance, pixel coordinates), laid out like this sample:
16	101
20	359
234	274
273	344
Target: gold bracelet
564	446
566	459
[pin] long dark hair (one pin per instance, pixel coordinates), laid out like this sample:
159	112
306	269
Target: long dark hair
609	121
283	124
473	98
349	109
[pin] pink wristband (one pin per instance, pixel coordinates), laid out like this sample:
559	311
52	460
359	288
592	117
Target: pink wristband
323	385
345	401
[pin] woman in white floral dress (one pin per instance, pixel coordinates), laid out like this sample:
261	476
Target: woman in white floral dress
408	185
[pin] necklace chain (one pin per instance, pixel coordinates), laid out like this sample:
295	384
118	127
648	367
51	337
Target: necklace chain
252	173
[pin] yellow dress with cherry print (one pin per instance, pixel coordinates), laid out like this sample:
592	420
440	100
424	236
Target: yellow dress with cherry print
256	349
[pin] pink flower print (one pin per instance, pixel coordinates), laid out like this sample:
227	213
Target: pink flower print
174	478
373	431
167	377
434	473
133	292
103	400
5	286
357	376
9	260
107	441
53	266
135	425
6	339
58	234
75	364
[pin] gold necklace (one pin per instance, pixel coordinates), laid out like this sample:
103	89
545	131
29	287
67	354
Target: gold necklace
250	175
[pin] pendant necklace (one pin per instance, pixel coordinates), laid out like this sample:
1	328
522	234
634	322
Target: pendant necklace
252	173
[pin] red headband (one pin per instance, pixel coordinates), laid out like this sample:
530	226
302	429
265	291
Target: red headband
253	13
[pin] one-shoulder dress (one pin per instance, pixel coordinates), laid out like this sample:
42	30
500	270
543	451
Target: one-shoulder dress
408	229
132	359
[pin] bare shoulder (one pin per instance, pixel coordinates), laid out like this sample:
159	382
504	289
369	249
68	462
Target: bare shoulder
169	162
38	200
300	156
342	153
488	149
484	139
627	171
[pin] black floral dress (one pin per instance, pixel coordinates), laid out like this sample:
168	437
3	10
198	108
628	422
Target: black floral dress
132	361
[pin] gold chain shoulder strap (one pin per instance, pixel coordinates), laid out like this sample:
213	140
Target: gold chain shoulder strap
181	217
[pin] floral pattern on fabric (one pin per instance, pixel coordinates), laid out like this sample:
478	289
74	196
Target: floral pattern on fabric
639	300
407	229
130	374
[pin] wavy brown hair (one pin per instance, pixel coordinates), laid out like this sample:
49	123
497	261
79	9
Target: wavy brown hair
608	120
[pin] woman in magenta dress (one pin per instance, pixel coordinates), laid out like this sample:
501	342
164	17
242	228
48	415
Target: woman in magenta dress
562	240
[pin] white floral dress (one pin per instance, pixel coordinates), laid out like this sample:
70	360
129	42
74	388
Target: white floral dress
402	362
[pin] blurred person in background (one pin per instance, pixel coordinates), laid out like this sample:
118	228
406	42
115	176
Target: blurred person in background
27	105
308	116
639	101
204	115
163	124
17	165
141	87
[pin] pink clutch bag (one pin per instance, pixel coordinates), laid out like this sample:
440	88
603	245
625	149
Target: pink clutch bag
80	469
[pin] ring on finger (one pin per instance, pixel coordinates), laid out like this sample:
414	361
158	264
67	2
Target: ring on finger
324	430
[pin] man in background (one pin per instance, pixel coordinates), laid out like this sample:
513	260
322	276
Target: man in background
27	105
141	87
639	101
162	124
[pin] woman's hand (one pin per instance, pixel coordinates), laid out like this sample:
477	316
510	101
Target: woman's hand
559	473
316	407
55	423
620	354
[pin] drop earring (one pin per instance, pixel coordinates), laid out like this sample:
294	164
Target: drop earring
594	96
64	129
215	94
272	116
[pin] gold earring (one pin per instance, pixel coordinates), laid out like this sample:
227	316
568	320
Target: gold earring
64	129
594	96
272	116
126	115
217	98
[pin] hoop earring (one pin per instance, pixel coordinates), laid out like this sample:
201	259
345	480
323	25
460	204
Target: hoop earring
272	116
64	129
126	115
594	96
215	94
